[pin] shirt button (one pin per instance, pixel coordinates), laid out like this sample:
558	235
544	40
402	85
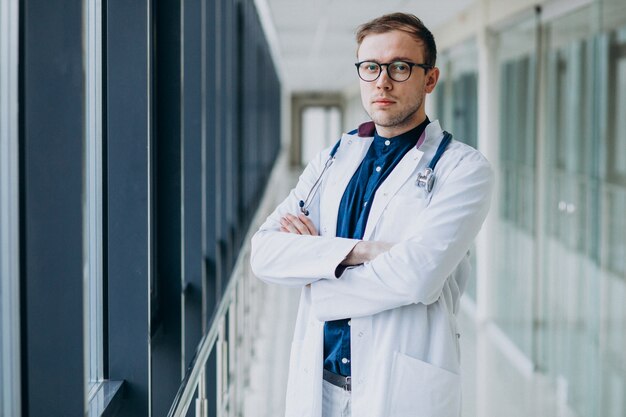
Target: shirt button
378	169
387	142
344	360
365	204
349	322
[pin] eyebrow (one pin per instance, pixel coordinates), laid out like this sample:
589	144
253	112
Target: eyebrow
394	59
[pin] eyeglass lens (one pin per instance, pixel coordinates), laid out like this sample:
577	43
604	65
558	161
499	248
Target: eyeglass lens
397	71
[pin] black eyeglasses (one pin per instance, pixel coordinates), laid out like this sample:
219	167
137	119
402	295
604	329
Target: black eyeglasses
398	70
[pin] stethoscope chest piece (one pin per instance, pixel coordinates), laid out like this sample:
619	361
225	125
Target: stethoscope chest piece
425	180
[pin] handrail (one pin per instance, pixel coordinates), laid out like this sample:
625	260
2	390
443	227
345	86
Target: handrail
184	396
189	383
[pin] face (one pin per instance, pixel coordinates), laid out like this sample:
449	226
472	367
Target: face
395	107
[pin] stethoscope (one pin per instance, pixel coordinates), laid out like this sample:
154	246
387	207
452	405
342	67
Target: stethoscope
304	204
425	179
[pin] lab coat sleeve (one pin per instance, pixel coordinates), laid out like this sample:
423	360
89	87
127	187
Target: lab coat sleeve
415	271
297	260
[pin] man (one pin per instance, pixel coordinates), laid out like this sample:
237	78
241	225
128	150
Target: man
382	261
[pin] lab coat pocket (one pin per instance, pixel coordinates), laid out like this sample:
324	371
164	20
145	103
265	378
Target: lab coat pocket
419	389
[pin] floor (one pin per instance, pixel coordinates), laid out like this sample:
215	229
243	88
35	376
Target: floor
496	382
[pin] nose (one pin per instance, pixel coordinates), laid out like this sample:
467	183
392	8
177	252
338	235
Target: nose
383	81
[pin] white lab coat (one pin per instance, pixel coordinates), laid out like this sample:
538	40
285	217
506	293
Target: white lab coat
404	341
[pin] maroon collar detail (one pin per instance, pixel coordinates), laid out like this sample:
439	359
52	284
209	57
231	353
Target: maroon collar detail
366	129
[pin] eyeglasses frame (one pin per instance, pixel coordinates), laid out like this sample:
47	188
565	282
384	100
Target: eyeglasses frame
426	67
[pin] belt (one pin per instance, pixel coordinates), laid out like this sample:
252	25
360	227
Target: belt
337	380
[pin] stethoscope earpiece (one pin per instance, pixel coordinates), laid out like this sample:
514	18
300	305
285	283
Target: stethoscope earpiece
303	210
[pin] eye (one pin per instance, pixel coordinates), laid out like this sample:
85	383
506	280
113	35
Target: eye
399	67
370	67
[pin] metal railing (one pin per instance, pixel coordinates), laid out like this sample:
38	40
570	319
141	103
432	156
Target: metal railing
233	348
232	331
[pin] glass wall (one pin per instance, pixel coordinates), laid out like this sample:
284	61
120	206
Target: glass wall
456	94
456	106
514	248
138	183
568	326
560	236
612	260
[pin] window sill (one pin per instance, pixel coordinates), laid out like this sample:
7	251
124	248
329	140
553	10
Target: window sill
107	399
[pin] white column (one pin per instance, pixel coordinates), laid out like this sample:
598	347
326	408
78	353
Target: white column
488	144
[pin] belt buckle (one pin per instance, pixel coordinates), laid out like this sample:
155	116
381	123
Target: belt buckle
348	385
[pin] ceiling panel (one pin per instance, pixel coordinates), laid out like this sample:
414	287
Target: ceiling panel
316	44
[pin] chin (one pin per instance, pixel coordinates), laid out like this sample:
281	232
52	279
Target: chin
385	121
381	118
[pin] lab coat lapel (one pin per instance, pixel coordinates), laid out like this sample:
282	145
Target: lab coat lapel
405	170
401	173
351	152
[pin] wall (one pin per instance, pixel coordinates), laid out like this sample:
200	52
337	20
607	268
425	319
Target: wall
543	84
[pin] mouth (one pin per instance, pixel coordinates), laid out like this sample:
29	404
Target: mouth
383	102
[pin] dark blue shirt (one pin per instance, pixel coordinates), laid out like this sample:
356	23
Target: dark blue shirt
382	157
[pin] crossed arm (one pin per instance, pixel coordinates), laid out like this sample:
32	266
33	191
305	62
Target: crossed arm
378	276
362	252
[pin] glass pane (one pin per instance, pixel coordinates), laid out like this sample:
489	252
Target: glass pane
321	127
443	92
92	229
10	403
514	248
567	330
456	107
456	94
2	198
582	324
611	309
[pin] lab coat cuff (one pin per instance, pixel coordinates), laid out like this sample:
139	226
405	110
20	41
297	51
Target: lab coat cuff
339	252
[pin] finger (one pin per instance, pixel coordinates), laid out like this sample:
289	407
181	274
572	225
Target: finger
288	226
301	227
309	224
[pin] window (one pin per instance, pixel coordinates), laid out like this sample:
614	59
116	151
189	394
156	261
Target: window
92	199
514	250
9	255
321	127
456	94
456	108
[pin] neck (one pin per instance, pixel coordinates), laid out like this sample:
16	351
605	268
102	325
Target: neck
393	131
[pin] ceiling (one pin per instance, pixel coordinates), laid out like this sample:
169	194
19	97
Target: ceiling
314	39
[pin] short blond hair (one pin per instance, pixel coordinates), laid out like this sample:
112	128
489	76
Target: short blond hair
405	22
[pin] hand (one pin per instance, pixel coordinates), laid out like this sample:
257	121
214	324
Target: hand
299	225
365	251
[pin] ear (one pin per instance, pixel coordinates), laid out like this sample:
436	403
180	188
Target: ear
432	76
